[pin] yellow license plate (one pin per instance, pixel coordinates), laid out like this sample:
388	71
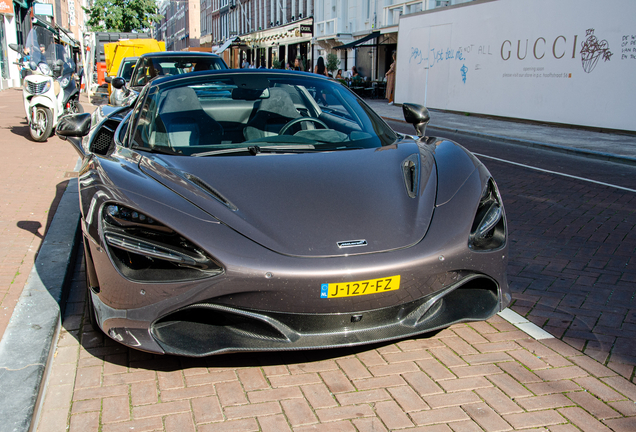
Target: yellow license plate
350	289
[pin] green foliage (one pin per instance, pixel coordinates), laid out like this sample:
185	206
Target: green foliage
122	15
332	62
276	64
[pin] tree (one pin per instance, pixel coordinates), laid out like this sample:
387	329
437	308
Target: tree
122	15
332	62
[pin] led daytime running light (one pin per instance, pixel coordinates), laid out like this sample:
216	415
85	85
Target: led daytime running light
137	246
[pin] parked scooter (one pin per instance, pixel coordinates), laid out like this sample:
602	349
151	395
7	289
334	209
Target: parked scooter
50	91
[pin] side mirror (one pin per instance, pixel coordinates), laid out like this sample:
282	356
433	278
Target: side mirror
74	125
108	79
118	83
14	47
418	116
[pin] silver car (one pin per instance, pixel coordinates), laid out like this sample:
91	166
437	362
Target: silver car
258	210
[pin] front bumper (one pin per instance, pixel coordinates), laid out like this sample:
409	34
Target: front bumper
207	328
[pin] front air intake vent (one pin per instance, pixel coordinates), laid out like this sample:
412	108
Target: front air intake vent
209	190
411	171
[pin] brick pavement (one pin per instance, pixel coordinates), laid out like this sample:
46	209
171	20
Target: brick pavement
32	177
572	266
483	376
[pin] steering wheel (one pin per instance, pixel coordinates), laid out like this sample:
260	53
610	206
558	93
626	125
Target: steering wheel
300	120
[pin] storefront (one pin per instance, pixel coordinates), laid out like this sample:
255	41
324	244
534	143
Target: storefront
373	53
9	74
276	47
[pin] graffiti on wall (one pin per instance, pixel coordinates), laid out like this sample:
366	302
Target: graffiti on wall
592	50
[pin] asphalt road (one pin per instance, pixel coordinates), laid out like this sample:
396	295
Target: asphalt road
572	227
603	171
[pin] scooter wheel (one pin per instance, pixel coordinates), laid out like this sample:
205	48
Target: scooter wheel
41	127
75	107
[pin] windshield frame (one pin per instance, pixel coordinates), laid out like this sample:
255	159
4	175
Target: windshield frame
150	62
364	116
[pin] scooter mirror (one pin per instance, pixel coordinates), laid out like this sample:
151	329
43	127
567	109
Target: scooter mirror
33	65
14	47
118	83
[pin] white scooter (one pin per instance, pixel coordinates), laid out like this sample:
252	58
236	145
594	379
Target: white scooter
50	90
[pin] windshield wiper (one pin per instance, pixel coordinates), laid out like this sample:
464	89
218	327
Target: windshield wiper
254	150
157	149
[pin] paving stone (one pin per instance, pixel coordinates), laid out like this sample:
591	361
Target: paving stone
344	413
443	415
486	417
498	400
582	419
534	419
319	396
273	423
298	412
545	402
392	415
407	398
592	405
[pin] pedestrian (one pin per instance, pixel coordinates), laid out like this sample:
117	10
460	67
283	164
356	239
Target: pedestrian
390	82
339	74
298	65
320	68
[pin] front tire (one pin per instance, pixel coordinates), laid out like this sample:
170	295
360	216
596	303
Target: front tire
41	128
75	107
91	281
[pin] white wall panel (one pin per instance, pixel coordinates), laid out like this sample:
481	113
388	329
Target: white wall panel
566	61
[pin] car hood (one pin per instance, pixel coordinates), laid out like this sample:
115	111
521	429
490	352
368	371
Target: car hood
308	204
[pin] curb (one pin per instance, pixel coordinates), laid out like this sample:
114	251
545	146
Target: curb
30	338
627	160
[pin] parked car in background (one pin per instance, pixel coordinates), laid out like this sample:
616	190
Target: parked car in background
168	63
267	210
126	68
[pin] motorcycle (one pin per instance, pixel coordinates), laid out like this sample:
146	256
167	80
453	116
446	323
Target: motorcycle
50	91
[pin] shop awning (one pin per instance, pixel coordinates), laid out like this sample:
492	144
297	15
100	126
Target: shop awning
357	42
67	38
226	44
22	3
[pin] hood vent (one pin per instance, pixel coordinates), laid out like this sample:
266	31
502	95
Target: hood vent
209	190
411	171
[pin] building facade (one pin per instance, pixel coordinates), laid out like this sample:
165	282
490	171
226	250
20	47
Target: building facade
273	33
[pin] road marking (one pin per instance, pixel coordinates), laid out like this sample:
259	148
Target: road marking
524	325
556	173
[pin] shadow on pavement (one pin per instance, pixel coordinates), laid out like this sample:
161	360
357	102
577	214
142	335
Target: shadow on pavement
34	226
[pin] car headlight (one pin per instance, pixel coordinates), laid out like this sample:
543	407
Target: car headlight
145	250
489	227
65	81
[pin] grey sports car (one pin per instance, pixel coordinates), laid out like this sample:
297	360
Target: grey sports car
260	210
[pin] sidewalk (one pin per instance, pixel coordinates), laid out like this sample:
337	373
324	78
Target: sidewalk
606	146
33	177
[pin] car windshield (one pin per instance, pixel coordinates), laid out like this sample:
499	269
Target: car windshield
127	69
152	67
251	113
